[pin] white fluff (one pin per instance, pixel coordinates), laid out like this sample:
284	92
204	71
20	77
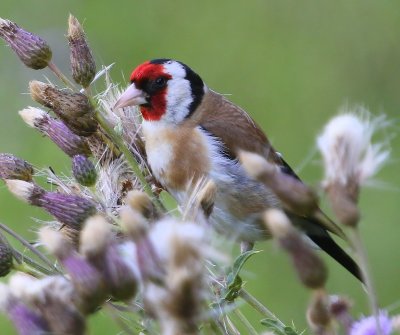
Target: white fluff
32	115
21	189
95	235
346	147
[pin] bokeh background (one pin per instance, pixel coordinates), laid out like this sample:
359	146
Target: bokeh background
290	64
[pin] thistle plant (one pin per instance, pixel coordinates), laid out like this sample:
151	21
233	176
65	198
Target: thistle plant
113	245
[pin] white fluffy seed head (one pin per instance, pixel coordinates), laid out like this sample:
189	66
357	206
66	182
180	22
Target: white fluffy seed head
54	241
21	189
95	236
32	115
167	231
133	222
346	147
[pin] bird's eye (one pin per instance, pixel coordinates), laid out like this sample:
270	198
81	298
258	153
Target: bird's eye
160	82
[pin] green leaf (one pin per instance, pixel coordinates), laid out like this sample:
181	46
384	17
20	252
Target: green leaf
233	281
278	328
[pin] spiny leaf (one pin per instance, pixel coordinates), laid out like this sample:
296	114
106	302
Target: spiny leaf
233	281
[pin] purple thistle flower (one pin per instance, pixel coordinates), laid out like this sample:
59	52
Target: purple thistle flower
87	281
368	326
56	130
118	275
25	320
69	209
31	49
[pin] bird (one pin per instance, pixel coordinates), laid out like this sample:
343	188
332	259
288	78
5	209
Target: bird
191	132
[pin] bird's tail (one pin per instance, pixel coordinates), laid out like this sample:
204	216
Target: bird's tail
313	229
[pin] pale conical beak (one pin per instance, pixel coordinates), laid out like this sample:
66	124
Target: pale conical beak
131	97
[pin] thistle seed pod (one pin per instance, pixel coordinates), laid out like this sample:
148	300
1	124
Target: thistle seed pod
57	131
73	108
69	209
12	167
309	267
84	170
32	50
82	62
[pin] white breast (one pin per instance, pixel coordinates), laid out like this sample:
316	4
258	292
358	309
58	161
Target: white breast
158	148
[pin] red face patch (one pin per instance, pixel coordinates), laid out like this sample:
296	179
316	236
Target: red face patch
145	78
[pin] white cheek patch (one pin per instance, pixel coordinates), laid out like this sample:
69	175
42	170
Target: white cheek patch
179	93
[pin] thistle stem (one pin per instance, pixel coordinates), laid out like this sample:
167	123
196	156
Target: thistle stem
61	75
25	268
27	245
258	306
250	329
360	252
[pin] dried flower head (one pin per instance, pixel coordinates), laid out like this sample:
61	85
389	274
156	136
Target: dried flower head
309	267
31	49
56	130
84	170
82	61
350	159
295	195
12	167
177	303
73	108
69	209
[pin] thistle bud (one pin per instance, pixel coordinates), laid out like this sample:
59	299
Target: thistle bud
73	108
339	308
6	257
84	170
309	267
87	280
57	131
82	61
69	209
32	50
12	167
318	315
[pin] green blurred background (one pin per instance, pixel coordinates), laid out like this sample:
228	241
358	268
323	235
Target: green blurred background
290	64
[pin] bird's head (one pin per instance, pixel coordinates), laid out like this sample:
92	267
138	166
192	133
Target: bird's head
165	90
